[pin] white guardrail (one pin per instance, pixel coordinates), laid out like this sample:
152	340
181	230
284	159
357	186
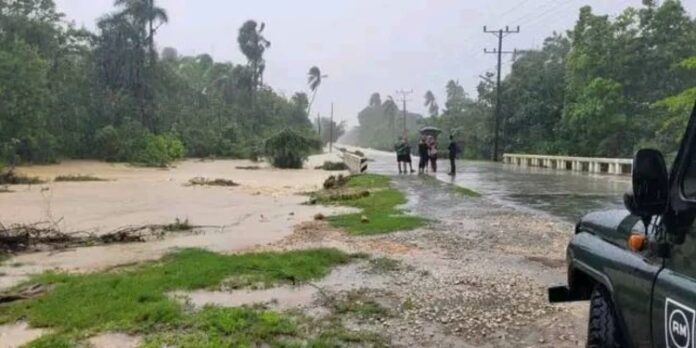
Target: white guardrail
616	166
356	163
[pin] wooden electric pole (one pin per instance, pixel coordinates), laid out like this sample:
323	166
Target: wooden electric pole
404	99
500	34
331	127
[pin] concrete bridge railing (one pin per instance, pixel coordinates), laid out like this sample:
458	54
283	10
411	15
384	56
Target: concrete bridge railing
356	163
616	166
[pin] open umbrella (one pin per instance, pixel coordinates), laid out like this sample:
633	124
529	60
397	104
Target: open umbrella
432	131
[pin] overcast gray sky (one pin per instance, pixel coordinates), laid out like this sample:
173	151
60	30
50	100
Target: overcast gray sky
364	46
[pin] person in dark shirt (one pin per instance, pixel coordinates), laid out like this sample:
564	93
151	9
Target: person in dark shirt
400	148
407	156
453	152
423	153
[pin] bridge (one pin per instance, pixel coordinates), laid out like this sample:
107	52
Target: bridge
616	166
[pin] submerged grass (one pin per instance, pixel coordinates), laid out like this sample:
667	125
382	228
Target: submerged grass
78	178
460	190
200	181
12	178
178	226
135	299
379	213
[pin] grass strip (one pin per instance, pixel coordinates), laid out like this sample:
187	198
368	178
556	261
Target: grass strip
135	299
379	213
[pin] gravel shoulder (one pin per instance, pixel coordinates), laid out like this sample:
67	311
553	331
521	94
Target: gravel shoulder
476	276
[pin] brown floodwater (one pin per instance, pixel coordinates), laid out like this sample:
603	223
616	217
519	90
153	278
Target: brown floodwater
263	209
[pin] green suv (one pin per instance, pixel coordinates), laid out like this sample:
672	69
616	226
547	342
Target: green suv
637	267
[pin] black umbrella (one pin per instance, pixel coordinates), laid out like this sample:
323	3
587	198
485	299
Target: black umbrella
432	131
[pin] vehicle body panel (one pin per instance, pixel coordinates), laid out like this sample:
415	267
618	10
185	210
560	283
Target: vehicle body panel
653	291
599	250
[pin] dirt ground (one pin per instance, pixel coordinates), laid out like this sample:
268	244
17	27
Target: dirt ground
475	276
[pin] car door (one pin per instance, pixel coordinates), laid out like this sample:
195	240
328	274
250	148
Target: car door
674	294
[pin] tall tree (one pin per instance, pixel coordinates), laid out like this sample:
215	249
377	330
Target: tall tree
147	15
375	100
431	104
253	45
314	79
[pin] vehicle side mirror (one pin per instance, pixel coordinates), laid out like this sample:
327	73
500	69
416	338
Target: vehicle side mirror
650	185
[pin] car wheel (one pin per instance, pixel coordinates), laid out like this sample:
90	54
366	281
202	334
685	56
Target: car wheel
603	329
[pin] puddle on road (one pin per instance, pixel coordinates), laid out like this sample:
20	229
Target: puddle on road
18	334
344	278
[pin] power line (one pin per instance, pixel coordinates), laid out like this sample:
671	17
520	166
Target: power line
500	34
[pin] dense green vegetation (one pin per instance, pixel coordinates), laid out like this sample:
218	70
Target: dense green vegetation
377	200
138	301
69	93
382	124
606	87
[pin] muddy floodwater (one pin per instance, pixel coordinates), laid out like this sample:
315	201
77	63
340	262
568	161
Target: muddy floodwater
564	194
263	208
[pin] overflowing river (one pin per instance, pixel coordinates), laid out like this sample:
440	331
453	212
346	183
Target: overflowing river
564	194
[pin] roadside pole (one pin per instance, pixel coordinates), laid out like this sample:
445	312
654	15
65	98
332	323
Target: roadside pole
331	127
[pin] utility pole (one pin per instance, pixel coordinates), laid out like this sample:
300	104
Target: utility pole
500	34
404	99
319	125
331	127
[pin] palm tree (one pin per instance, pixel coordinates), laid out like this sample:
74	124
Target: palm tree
144	13
253	45
431	104
375	100
314	79
390	109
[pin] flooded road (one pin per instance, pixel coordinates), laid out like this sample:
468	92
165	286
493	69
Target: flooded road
564	194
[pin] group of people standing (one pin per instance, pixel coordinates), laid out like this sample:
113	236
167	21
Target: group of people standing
427	151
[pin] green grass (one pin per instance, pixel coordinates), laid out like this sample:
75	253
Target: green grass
53	341
368	181
379	207
227	327
135	299
78	178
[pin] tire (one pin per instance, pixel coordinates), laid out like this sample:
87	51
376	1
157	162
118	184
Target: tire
603	329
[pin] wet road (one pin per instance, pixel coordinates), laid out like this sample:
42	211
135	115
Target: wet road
564	194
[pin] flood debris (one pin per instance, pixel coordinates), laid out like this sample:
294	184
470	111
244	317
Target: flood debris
77	178
10	177
332	166
47	236
25	293
334	182
201	181
248	167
